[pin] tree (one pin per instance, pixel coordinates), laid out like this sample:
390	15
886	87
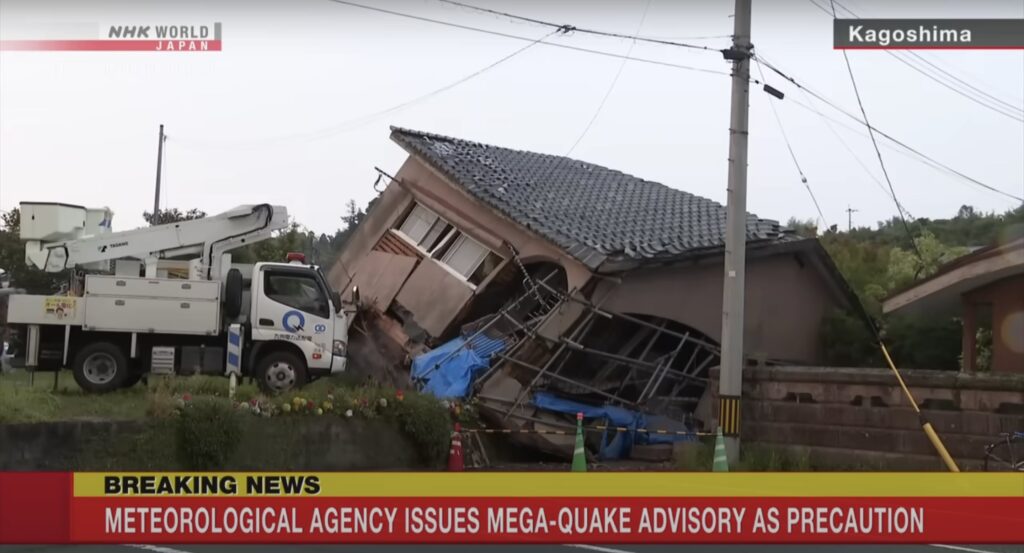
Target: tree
806	228
172	215
294	239
864	264
966	212
905	266
879	262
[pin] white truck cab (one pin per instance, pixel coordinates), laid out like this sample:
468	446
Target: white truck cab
277	322
293	303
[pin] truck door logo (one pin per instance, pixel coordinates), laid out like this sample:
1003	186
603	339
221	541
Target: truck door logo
320	328
293	321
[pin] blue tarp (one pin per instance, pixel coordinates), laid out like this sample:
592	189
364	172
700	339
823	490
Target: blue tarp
615	445
448	370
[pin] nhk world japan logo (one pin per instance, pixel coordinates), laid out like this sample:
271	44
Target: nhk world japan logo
123	37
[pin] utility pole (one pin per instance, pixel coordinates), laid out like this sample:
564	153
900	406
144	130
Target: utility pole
849	217
159	167
730	384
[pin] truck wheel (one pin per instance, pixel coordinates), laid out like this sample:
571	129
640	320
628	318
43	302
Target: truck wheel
279	372
100	367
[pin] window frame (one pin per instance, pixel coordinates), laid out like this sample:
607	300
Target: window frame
461	240
299	273
446	244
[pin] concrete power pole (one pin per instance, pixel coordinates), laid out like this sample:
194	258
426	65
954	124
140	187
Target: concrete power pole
159	167
732	362
849	217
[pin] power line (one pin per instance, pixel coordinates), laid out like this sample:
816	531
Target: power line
881	162
701	37
939	68
895	147
635	37
611	86
792	154
359	121
518	37
987	101
828	120
883	134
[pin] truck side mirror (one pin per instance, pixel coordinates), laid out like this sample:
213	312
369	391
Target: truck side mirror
355	295
336	300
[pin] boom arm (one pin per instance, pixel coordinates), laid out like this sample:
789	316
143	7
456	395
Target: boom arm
208	237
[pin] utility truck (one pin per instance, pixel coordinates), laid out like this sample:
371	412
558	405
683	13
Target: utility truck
166	300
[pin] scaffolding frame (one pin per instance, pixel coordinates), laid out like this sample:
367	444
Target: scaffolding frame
656	370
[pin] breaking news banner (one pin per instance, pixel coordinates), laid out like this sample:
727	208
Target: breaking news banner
136	36
928	34
599	508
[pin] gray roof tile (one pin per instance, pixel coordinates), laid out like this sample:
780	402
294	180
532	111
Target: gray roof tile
592	212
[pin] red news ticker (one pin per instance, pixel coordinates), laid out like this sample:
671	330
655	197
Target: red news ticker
42	508
101	45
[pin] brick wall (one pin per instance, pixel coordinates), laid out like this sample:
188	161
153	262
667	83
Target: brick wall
860	418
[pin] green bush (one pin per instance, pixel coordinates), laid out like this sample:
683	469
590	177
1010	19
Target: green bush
913	343
762	457
847	342
918	343
208	433
428	422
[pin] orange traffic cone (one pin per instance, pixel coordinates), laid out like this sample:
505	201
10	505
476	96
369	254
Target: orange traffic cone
455	453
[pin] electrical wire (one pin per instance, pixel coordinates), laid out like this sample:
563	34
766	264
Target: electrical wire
355	123
882	133
1014	107
792	153
987	101
634	37
895	147
881	161
611	86
518	37
926	426
828	123
702	37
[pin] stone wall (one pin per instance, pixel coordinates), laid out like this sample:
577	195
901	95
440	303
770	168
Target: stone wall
850	418
328	444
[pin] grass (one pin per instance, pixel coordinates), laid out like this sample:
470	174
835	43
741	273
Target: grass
38	401
164	433
698	456
755	457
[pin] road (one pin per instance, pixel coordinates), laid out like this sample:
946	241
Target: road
514	549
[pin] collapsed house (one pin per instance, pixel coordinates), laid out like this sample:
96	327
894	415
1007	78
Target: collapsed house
543	285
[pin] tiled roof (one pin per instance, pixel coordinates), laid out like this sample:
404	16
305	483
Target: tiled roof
592	212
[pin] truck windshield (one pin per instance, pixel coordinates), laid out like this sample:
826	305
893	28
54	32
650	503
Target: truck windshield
294	289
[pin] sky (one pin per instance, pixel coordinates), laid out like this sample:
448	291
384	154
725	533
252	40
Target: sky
281	114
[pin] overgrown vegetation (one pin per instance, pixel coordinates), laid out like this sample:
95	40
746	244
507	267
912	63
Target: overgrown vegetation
188	423
208	431
40	402
427	422
758	457
881	261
